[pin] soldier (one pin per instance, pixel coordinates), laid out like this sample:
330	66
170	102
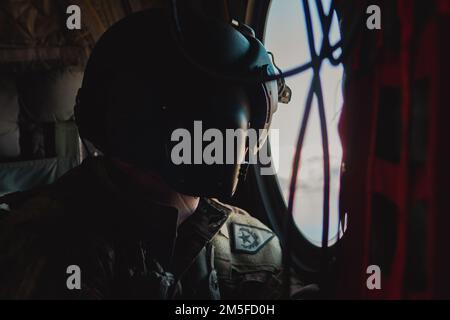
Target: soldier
137	225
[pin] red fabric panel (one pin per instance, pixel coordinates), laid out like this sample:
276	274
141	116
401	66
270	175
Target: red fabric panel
441	258
418	55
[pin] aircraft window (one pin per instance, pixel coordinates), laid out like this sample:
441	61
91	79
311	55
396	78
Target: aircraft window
286	37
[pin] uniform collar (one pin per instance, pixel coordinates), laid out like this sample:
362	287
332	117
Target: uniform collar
196	232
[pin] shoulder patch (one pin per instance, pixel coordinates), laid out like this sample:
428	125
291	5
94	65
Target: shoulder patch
249	239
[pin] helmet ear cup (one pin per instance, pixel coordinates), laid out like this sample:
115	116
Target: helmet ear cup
83	120
90	123
92	104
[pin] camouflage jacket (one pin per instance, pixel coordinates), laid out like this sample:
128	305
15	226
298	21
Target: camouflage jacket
128	247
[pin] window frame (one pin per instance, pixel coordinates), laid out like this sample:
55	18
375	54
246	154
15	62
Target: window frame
305	256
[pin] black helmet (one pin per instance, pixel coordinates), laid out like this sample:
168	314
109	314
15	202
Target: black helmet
140	85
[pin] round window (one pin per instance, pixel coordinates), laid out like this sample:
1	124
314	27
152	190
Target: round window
286	37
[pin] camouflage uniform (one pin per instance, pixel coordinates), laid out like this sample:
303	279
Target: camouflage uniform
129	247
